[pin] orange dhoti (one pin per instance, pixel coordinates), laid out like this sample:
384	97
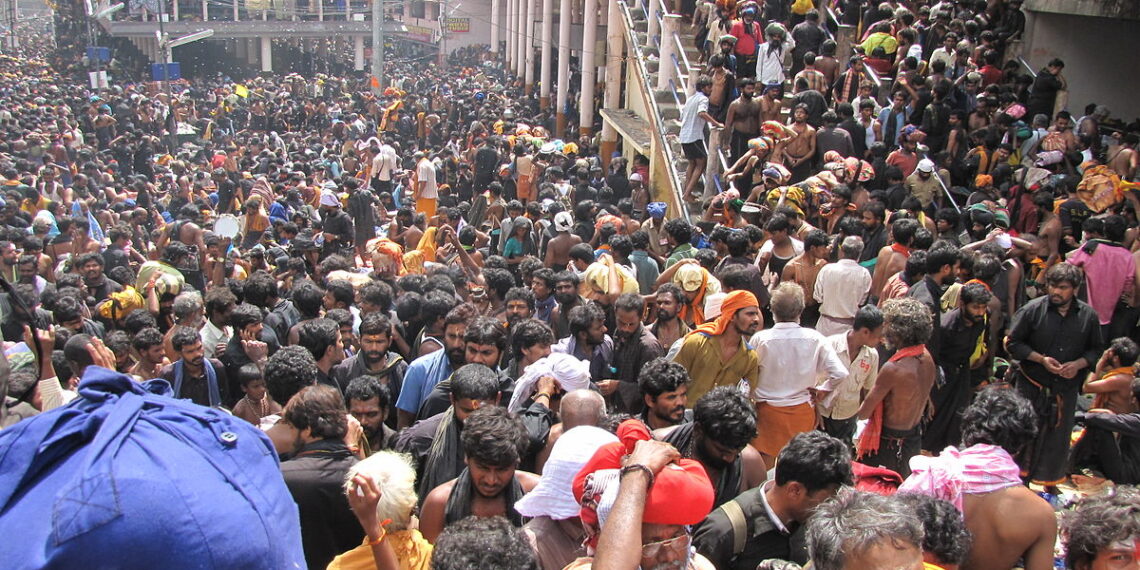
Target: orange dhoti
426	205
776	426
524	189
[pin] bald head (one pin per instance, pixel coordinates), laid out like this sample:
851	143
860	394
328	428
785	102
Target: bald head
581	408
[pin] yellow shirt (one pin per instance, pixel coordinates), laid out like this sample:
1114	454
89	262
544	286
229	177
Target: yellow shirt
700	355
413	552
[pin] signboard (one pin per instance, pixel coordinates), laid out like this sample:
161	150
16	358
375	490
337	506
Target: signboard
98	54
420	33
458	25
158	71
98	79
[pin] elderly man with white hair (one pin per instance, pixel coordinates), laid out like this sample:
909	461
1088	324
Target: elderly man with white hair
840	288
382	493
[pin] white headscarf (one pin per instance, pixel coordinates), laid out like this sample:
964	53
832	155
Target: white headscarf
571	374
554	495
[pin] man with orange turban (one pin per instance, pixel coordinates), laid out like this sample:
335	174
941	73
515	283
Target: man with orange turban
716	354
648	495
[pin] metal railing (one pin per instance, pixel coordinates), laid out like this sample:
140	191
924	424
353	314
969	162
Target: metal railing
655	118
1025	64
684	67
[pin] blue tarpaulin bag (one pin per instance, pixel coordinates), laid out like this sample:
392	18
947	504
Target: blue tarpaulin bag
125	476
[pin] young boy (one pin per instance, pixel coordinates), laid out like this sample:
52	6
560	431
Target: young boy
1111	381
257	403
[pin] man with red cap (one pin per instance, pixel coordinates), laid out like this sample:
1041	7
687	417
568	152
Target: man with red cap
716	353
639	491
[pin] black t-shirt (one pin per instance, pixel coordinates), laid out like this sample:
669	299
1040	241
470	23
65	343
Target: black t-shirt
339	224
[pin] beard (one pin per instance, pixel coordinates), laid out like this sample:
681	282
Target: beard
457	356
666	315
372	357
565	298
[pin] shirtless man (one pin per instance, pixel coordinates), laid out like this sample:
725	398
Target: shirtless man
1009	521
771	105
1111	381
800	149
892	258
902	388
558	248
1063	124
743	119
493	444
578	408
1124	160
1050	231
403	231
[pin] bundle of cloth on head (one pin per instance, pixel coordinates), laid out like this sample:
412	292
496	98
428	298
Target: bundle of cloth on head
760	144
567	370
776	131
554	495
387	256
691	278
983	181
597	278
656	209
85	484
793	196
119	304
980	468
1101	188
682	493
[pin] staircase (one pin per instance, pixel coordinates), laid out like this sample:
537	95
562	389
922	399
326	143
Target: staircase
666	71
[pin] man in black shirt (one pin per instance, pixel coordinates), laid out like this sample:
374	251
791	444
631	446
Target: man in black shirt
809	471
193	376
90	265
337	228
1056	338
116	254
226	189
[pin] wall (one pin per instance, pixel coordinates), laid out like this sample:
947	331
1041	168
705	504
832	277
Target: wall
1100	55
478	13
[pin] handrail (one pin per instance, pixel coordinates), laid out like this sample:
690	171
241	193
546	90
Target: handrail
1025	64
831	17
673	92
654	118
874	77
687	68
723	161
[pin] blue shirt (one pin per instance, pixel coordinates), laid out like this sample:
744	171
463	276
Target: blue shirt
420	379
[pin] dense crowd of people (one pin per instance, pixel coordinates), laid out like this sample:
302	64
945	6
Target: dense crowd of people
288	322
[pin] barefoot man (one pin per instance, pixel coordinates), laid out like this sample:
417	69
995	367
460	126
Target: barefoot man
896	404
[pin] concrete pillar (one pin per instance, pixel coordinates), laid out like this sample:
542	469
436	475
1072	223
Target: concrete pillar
713	166
589	69
266	54
666	71
612	99
528	43
512	9
547	53
520	39
496	7
563	67
358	53
654	26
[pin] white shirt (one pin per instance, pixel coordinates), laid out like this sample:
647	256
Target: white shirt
770	65
425	171
692	125
844	402
792	358
212	336
384	162
841	287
